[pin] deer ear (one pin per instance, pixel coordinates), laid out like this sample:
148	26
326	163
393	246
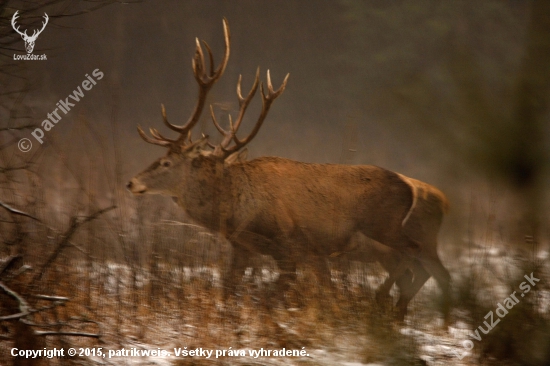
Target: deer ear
243	155
237	157
197	148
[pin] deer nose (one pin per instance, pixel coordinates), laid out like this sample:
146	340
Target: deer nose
136	187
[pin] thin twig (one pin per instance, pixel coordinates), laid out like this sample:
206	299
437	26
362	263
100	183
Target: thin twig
17	127
8	263
17	212
18	273
75	224
50	298
24	308
74	334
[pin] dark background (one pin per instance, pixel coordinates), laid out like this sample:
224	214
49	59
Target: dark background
426	88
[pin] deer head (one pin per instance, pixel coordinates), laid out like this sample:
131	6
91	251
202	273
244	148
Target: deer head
29	40
189	163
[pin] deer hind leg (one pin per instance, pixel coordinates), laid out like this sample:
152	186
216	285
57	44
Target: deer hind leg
408	289
395	274
322	271
431	262
409	283
287	273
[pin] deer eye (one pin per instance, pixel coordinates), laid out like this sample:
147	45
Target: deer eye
166	163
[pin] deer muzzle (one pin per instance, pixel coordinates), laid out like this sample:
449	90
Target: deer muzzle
136	187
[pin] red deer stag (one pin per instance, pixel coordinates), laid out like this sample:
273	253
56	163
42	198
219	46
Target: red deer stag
288	209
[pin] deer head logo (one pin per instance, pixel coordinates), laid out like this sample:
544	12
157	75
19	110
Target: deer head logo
29	40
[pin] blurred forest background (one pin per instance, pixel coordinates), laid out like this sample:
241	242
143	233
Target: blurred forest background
453	93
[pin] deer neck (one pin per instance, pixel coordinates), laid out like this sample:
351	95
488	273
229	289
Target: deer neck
204	196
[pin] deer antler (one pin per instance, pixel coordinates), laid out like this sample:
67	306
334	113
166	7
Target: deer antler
205	79
223	148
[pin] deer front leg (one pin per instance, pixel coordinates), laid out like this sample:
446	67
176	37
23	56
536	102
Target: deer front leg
239	263
287	273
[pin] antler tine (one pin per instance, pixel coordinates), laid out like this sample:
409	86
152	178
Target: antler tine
252	90
231	127
208	142
156	134
204	80
198	63
218	127
244	102
227	135
239	95
210	57
150	140
227	40
165	120
274	94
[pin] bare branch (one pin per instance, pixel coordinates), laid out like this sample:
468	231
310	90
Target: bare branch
75	224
